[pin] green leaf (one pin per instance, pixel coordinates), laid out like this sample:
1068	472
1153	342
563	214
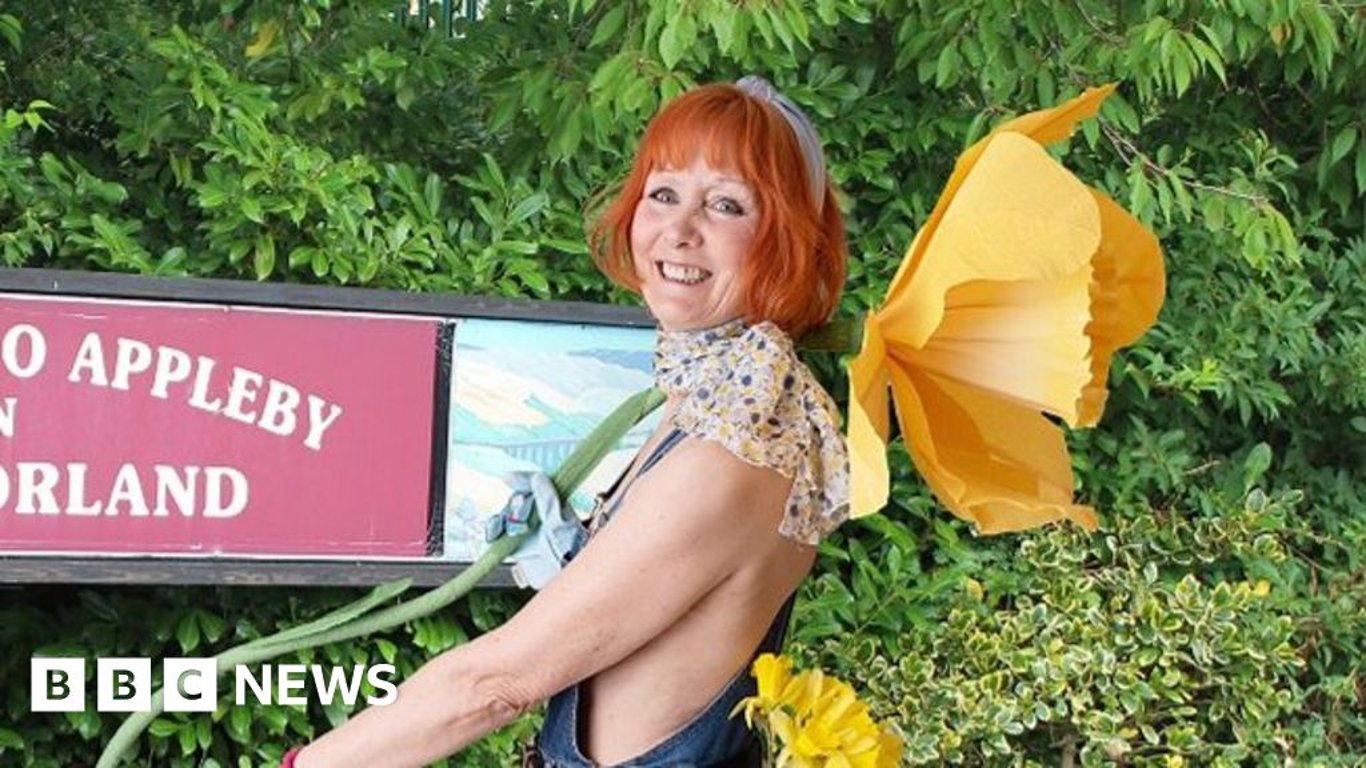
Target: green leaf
187	633
1182	62
387	650
10	28
431	196
1361	169
494	172
485	213
187	738
517	246
239	724
1209	55
528	208
945	67
251	208
724	26
319	263
536	282
53	170
212	626
680	32
609	72
1342	144
162	728
796	19
976	129
610	26
263	257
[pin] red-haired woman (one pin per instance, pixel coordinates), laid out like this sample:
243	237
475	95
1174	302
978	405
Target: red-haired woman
728	228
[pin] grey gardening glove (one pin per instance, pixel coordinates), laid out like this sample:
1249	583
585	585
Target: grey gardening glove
558	537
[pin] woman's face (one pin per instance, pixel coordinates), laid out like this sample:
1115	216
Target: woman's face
691	233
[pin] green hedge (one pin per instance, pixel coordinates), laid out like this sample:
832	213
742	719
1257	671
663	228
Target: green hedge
1217	618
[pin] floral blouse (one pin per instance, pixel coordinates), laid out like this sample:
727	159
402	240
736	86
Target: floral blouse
744	388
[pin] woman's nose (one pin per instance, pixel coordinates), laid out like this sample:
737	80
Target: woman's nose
682	229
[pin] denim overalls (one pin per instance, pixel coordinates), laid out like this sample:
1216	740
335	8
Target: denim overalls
709	739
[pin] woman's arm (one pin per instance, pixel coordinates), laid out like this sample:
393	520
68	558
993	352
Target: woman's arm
684	528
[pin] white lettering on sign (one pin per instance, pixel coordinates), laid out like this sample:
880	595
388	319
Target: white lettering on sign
178	486
7	417
75	498
36	483
90	361
173	367
225	492
43	488
241	393
127	490
318	422
132	358
249	397
277	414
199	394
23	351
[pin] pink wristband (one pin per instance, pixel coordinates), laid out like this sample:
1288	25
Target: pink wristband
288	762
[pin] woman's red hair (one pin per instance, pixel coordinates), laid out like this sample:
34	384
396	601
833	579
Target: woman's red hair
795	273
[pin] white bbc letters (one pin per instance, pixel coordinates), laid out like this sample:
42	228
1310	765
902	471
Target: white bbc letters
191	685
123	685
56	685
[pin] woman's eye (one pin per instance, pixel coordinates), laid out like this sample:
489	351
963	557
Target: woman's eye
664	195
729	206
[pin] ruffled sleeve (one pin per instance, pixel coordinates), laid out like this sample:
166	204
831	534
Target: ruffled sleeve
760	402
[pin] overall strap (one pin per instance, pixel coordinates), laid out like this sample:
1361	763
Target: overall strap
674	436
777	631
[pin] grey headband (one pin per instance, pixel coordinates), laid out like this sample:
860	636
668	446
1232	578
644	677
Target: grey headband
807	139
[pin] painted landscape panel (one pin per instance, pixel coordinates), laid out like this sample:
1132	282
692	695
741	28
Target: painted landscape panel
523	394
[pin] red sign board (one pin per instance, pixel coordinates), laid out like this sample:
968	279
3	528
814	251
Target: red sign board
140	427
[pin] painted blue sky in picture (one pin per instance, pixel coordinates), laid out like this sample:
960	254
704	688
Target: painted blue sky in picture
522	395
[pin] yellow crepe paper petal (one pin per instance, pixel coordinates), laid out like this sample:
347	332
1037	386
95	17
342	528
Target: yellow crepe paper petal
1127	290
1024	341
1049	126
869	425
1045	126
994	463
1009	305
1018	216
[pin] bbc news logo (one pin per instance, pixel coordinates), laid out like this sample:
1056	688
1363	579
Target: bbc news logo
125	684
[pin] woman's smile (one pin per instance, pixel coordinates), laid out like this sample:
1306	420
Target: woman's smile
681	273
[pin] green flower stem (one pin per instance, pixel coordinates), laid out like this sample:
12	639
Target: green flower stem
843	335
349	622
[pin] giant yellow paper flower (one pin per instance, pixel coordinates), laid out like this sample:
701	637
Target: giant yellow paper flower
1008	306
